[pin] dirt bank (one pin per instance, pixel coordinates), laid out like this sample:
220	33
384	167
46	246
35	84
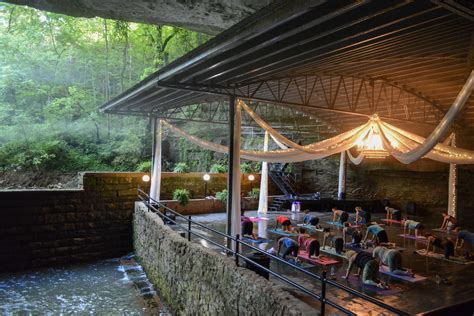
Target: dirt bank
36	180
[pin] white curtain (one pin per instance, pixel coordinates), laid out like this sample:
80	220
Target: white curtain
263	197
156	168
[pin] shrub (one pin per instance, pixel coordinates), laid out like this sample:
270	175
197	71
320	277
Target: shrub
144	167
222	196
246	168
217	168
181	167
254	194
182	196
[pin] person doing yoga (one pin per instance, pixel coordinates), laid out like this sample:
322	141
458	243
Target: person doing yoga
291	247
393	259
341	215
413	225
310	219
336	242
367	265
284	222
464	237
378	233
393	214
247	227
449	222
311	245
362	216
354	233
445	244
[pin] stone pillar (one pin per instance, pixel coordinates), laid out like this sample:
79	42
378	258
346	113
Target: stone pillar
263	197
341	191
156	163
453	184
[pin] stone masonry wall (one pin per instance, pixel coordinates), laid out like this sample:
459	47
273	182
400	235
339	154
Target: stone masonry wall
198	281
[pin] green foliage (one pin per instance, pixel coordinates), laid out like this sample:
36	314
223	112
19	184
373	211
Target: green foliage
254	194
55	72
247	168
222	196
218	168
181	167
182	196
144	166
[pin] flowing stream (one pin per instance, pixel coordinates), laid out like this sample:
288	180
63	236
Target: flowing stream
109	287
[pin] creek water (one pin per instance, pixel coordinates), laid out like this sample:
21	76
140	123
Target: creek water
109	287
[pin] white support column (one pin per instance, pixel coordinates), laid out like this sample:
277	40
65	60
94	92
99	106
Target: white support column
156	167
341	191
236	179
453	184
263	197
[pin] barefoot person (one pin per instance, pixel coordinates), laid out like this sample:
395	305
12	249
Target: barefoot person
336	242
413	225
393	214
377	232
362	216
445	244
393	259
311	245
465	237
354	233
365	264
284	222
247	227
291	247
310	219
449	222
341	215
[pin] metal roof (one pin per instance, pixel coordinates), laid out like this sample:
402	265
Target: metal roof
338	60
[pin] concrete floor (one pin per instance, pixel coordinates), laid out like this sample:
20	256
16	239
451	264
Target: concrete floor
412	298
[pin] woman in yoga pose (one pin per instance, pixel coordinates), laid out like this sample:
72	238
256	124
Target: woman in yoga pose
336	242
393	259
306	242
378	233
465	237
449	222
393	214
290	245
367	265
445	244
362	216
413	225
341	215
310	219
354	233
247	227
284	222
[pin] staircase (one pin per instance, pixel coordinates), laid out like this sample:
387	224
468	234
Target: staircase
276	204
286	182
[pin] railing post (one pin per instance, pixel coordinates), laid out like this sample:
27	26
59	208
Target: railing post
237	249
323	294
189	228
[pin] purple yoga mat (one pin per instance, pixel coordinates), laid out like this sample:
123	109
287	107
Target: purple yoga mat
420	238
416	278
354	280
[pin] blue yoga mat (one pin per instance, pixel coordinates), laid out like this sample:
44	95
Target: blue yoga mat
282	233
256	241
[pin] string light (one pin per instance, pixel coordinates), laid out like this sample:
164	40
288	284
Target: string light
372	146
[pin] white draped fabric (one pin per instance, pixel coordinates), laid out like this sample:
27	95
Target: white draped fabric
156	168
341	188
355	160
263	196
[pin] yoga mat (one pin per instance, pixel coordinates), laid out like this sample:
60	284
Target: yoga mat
392	221
300	264
256	241
416	278
282	233
435	255
310	227
322	260
358	281
335	223
369	249
444	231
332	251
258	219
420	238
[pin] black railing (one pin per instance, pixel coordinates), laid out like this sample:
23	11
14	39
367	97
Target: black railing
171	215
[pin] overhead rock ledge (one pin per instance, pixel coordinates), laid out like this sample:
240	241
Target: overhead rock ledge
207	16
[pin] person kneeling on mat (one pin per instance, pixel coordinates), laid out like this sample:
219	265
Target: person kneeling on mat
310	219
367	265
356	235
393	259
311	245
413	225
446	244
362	216
336	242
290	245
449	222
284	222
465	237
393	214
341	215
247	227
378	233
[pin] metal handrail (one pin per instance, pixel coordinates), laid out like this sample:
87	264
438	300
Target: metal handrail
144	197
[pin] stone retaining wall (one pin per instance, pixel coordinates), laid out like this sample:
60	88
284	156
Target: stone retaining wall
198	281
